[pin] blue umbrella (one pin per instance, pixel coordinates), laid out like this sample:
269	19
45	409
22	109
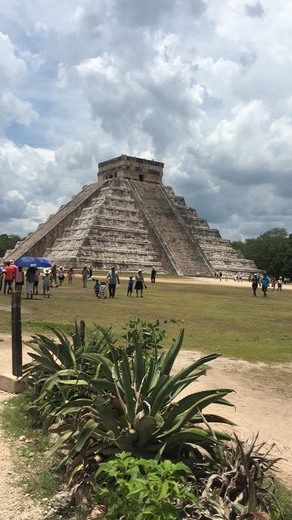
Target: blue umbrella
32	261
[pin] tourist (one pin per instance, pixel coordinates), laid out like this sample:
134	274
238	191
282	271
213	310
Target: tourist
130	286
254	284
140	284
84	274
30	279
103	289
9	271
54	275
273	284
36	281
265	283
280	284
96	288
90	271
113	280
70	274
46	282
19	279
1	276
153	275
61	275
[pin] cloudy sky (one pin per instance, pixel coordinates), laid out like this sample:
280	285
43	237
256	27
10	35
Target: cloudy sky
200	85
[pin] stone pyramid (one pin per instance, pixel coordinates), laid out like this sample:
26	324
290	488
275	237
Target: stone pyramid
129	219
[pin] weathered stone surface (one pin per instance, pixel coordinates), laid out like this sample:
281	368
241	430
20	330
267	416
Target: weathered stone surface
130	219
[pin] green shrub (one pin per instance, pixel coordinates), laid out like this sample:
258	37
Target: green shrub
139	489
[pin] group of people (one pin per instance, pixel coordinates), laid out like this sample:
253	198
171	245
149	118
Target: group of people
113	280
15	278
264	281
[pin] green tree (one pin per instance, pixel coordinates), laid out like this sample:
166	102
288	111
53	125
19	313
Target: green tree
8	242
271	251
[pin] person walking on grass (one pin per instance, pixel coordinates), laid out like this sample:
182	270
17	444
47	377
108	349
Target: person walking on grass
265	283
61	275
139	284
84	274
113	280
54	276
96	288
254	284
130	286
46	282
1	277
36	281
19	279
30	279
70	274
280	284
9	272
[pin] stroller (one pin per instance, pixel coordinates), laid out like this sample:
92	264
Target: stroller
102	290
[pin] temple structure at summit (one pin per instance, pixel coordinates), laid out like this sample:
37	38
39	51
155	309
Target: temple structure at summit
130	219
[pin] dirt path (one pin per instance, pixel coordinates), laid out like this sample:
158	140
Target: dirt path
14	504
261	404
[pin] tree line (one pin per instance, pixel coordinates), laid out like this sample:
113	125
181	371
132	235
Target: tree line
8	242
271	251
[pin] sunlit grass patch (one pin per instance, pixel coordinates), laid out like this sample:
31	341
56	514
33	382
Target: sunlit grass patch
225	319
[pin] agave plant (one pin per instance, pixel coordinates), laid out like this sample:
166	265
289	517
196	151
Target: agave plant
242	487
137	409
58	372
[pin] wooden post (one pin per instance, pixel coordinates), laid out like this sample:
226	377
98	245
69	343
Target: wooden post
16	334
82	332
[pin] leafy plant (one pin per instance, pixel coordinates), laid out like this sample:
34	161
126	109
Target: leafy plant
59	373
149	335
140	489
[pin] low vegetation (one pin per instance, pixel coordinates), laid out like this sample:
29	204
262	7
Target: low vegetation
123	430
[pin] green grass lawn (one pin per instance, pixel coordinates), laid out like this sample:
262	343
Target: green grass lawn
216	318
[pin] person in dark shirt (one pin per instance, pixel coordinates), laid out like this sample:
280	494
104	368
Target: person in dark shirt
30	279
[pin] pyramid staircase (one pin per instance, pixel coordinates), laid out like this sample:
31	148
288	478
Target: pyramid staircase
109	231
218	252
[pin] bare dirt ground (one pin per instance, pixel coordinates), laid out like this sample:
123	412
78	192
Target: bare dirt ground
14	504
260	405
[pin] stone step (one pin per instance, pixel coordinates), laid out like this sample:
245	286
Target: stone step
171	231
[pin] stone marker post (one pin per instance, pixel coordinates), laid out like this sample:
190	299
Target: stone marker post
82	332
16	333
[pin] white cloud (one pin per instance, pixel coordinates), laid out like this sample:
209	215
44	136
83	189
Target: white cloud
11	66
202	89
